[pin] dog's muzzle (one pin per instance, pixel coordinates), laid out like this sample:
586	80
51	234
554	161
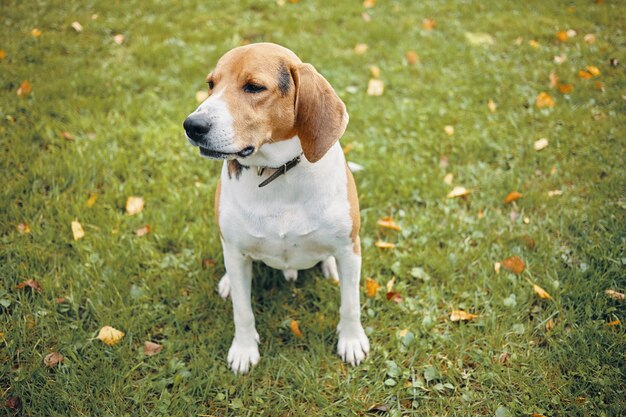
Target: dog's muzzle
196	126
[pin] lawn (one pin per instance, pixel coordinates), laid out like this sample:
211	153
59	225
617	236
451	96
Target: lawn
100	120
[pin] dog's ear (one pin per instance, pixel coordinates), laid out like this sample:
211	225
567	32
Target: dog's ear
321	116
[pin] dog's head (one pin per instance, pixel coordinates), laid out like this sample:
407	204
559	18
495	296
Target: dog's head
263	93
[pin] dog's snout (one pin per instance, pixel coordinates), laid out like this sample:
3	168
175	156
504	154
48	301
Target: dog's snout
196	126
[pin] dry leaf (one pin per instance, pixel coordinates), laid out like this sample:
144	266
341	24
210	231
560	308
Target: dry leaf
614	323
593	70
559	59
412	58
541	292
375	87
295	328
33	284
458	191
67	136
201	95
360	48
540	144
91	200
617	296
118	39
533	43
460	315
544	100
35	32
368	4
599	86
448	178
449	130
554	193
142	231
52	359
151	348
585	75
24	89
479	38
590	38
514	264
571	33
512	196
388	223
2	54
371	287
554	79
134	205
537	415
565	88
428	24
384	245
389	285
492	106
395	297
375	71
549	325
366	17
497	266
77	27
23	228
562	36
77	230
110	335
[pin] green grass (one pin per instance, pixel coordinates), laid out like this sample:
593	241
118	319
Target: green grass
125	104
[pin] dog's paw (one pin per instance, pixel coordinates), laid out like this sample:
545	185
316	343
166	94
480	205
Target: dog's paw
223	288
291	275
242	356
353	345
329	268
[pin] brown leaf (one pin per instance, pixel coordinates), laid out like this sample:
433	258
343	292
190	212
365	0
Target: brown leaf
30	283
537	415
384	245
375	87
52	359
614	323
565	88
389	223
134	205
24	89
394	296
428	24
412	58
544	100
460	315
617	296
513	264
109	335
390	284
13	403
562	36
2	54
23	228
543	294
77	230
378	409
529	241
207	262
585	75
554	79
371	287
295	328
151	348
512	196
142	231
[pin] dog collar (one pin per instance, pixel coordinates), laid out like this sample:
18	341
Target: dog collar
279	171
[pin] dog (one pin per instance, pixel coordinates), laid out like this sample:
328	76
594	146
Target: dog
285	196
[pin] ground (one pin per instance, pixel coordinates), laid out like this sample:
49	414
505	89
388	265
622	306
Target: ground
103	121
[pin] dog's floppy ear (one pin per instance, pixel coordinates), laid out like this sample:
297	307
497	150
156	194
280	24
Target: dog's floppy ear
321	116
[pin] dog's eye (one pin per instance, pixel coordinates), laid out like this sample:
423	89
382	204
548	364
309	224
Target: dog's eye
253	88
211	85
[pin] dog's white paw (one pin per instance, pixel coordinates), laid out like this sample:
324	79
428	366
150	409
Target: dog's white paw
223	288
243	355
329	268
353	345
291	275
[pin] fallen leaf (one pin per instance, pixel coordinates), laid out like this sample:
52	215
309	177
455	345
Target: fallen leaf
151	348
514	264
13	403
77	230
565	88
67	136
77	27
366	17
497	266
110	335
295	328
388	223
537	415
614	323
585	75
368	4
375	87
533	43
526	220
2	54
208	262
375	71
118	39
201	95
142	231
35	32
543	294
390	283
512	196
91	200
394	296
519	40
460	315
134	205
384	245
544	100
371	287
549	325
617	296
23	228
540	144
60	300
554	79
449	130
24	89
504	357
33	284
562	36
428	24
378	409
590	38
458	191
52	359
529	241
412	58
593	70
571	33
492	106
554	193
479	38
448	178
360	48
599	86
559	59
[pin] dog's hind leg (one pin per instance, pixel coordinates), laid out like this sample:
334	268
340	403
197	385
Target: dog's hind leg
291	275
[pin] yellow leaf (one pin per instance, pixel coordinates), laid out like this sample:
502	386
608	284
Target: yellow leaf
368	4
550	325
384	245
77	230
2	54
24	89
512	196
614	323
375	71
541	292
448	178
544	100
110	335
35	32
449	130
23	228
514	264
412	58
388	223
533	44
617	296
360	48
593	70
91	200
428	24
492	106
371	287
134	205
585	75
375	87
562	36
295	328
458	191
460	315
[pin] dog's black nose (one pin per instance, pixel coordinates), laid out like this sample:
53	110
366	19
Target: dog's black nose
196	126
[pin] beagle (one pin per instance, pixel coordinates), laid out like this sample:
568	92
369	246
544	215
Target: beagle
285	196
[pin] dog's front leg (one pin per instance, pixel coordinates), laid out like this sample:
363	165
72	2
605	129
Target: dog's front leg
244	352
353	344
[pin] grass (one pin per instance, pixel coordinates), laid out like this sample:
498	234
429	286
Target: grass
124	106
